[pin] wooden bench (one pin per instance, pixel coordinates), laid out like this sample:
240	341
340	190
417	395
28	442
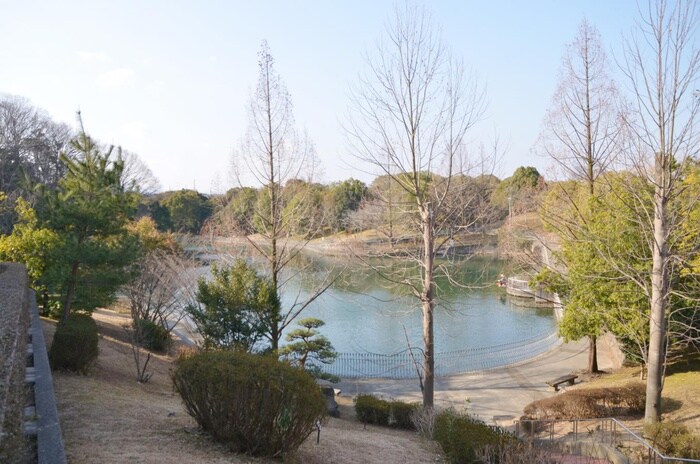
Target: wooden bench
569	378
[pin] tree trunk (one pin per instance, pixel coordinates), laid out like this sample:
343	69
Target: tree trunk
272	191
428	305
657	320
70	291
593	354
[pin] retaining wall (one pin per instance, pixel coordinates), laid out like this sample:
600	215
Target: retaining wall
14	322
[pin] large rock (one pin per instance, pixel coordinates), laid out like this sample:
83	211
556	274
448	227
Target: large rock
331	404
329	392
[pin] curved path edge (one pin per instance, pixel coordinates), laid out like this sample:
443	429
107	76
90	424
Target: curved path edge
496	395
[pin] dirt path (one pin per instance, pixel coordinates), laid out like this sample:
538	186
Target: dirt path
107	417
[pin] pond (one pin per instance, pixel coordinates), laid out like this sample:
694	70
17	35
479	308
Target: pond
364	314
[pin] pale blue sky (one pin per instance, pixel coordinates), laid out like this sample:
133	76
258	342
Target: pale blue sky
170	80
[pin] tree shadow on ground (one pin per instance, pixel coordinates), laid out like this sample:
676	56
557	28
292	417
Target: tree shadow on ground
686	364
669	405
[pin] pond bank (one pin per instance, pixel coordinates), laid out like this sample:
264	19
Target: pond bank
499	395
373	245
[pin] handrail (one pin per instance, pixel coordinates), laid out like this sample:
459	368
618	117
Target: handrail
617	423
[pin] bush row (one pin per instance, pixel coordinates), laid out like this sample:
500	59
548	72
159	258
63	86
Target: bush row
588	403
372	410
74	346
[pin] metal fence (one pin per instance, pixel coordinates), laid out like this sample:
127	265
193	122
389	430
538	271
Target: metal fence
402	365
605	438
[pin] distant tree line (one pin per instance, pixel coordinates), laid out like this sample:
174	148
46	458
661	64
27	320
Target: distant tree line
345	206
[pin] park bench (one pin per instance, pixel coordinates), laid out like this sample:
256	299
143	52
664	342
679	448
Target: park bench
568	378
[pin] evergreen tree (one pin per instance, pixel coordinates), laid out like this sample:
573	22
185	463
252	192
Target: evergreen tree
309	349
88	211
234	307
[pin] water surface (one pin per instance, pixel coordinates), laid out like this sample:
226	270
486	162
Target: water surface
364	313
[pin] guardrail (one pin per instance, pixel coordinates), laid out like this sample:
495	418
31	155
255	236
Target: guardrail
606	438
402	365
49	443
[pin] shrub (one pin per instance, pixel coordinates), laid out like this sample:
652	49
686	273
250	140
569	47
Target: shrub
673	440
401	414
74	346
372	410
153	336
424	421
588	403
463	438
518	452
254	404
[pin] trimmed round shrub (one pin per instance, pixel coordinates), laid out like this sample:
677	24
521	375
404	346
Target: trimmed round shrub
74	346
371	410
251	403
153	336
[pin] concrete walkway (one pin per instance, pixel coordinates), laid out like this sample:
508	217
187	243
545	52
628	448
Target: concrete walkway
496	395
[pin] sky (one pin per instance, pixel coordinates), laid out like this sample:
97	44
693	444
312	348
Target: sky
170	80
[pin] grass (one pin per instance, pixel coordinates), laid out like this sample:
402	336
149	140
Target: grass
108	417
681	393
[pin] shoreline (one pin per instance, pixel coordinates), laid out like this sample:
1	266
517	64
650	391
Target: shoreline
498	395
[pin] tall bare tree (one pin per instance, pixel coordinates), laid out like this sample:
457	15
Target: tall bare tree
662	64
273	154
409	119
581	129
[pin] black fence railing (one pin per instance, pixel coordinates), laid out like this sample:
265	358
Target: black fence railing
402	365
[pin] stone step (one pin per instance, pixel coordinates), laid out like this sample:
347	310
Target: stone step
29	412
29	425
30	375
30	429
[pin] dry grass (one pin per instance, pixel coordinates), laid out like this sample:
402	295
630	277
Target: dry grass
107	417
681	394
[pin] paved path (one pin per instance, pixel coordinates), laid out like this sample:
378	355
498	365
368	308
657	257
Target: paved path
496	395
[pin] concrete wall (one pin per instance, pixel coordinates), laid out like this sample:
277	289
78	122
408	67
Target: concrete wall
14	322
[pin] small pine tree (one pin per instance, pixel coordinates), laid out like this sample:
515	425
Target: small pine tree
309	350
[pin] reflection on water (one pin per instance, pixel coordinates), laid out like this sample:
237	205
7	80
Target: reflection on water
363	313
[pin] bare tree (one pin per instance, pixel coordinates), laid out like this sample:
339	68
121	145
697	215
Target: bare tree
273	154
137	176
165	285
163	288
409	119
661	63
30	148
581	129
582	126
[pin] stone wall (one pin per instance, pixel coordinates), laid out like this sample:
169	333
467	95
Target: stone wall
14	322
